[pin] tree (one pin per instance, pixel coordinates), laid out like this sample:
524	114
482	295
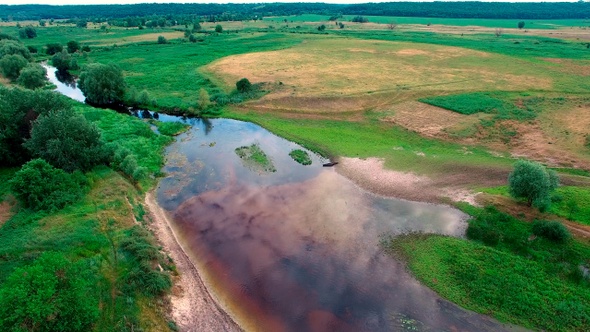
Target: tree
68	141
32	76
192	38
11	47
73	46
82	24
322	27
52	294
521	24
53	48
27	33
102	84
42	187
243	85
63	61
11	66
196	26
533	182
162	40
218	28
204	100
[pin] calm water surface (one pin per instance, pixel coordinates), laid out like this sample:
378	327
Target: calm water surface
297	249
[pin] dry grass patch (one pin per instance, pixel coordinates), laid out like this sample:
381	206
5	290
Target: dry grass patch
428	120
330	67
5	212
148	37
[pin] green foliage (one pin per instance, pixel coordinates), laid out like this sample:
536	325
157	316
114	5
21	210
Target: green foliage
243	85
102	84
18	108
53	48
40	186
300	156
68	141
27	33
204	99
143	98
171	128
254	158
533	182
64	62
11	66
33	76
52	294
360	19
192	38
521	24
510	287
218	28
574	205
141	251
322	27
86	48
484	102
162	40
552	230
196	26
11	47
73	46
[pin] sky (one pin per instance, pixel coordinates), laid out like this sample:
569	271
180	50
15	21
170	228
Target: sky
104	2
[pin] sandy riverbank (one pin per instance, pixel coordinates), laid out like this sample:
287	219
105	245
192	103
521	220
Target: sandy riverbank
193	308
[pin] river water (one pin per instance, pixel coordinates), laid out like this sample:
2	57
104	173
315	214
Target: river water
298	248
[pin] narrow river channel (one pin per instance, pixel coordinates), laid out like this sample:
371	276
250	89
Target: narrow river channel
298	248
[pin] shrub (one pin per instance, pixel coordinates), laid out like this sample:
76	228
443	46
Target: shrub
85	48
204	100
300	156
521	24
322	27
162	40
73	46
32	49
11	65
68	141
143	98
218	28
192	38
552	230
63	61
32	77
53	48
40	186
533	182
52	294
11	47
27	33
243	85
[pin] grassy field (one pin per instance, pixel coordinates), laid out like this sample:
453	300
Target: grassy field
491	23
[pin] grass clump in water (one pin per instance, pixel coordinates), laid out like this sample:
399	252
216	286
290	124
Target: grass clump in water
253	157
300	156
171	128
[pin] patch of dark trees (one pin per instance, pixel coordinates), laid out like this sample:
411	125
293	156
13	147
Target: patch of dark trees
238	12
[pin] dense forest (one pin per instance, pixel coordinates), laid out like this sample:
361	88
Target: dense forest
254	11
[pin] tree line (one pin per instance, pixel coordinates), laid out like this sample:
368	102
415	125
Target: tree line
224	12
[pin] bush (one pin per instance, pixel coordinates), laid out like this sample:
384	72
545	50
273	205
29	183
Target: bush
322	27
40	186
63	61
53	48
552	230
533	182
52	294
102	84
192	38
73	46
204	100
162	40
11	47
32	77
27	33
67	141
85	48
218	28
243	85
32	49
11	66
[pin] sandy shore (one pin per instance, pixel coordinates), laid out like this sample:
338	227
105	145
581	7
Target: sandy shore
371	175
193	308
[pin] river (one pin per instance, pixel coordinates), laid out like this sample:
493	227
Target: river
298	248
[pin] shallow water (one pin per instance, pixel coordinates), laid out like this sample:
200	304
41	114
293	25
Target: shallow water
297	249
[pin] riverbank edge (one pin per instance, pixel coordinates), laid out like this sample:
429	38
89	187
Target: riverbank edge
193	308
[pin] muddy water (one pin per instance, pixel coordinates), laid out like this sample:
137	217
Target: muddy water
298	249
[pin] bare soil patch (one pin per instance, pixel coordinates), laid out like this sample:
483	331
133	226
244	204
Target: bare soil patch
193	307
5	212
427	120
